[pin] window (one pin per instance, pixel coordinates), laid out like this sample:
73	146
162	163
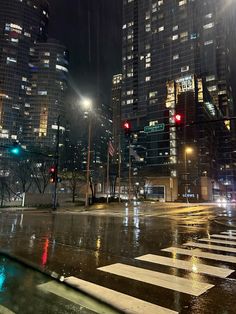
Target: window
182	2
208	42
185	68
61	68
175	37
207	26
11	60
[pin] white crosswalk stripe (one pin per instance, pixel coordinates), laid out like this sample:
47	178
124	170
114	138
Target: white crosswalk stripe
211	247
172	282
190	266
217	241
197	253
220	236
123	302
230	233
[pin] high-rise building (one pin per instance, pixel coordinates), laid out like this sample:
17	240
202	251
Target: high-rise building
116	107
49	77
176	60
22	23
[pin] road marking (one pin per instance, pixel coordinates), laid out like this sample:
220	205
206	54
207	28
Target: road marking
191	266
172	282
197	253
229	233
123	302
222	236
211	247
4	310
217	241
76	297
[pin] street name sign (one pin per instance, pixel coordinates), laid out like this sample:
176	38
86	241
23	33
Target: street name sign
155	128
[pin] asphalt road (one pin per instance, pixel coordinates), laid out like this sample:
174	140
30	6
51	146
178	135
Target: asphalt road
121	248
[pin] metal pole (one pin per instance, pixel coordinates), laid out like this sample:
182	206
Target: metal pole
186	175
56	164
88	164
129	191
119	168
108	164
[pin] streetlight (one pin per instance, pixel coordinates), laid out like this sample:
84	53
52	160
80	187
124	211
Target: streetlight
187	151
87	105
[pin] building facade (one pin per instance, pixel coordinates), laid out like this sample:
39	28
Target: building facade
176	60
22	23
116	107
49	77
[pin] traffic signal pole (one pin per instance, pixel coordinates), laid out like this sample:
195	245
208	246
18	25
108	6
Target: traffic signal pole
56	165
119	168
129	187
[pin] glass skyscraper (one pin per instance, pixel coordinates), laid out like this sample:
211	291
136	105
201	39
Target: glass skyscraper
177	59
22	23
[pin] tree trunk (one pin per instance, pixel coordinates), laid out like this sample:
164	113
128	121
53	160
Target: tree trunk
73	195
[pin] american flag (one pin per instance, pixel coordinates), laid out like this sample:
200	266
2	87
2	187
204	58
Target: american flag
111	149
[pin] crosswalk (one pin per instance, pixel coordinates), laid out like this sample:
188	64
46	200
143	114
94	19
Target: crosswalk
191	269
216	247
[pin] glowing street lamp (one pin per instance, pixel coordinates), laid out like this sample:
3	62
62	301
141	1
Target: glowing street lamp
187	151
87	105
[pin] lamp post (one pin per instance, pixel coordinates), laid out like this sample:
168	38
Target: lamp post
87	104
187	151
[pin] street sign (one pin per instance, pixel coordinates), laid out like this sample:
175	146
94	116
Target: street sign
155	128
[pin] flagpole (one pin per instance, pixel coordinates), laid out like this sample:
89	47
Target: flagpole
108	170
129	192
119	169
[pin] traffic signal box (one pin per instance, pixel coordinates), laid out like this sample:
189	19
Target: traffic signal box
178	119
15	149
127	128
53	174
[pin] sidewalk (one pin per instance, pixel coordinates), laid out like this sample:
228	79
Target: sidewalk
72	208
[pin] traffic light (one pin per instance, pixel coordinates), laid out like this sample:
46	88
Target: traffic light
15	149
127	128
178	118
53	174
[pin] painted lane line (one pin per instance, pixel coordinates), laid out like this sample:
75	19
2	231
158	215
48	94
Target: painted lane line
190	266
123	302
218	241
211	247
172	282
197	253
222	236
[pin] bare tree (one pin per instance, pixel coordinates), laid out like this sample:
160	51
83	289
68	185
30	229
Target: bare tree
76	179
40	175
22	172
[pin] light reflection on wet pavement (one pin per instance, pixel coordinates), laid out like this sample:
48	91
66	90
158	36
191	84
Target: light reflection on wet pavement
78	244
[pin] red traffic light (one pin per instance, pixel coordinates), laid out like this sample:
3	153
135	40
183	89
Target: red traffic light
178	118
52	169
127	125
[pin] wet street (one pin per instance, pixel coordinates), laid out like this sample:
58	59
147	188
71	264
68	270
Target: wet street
176	257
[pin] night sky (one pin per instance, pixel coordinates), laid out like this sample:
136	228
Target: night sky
91	31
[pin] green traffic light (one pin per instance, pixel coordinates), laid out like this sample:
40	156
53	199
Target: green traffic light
15	151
